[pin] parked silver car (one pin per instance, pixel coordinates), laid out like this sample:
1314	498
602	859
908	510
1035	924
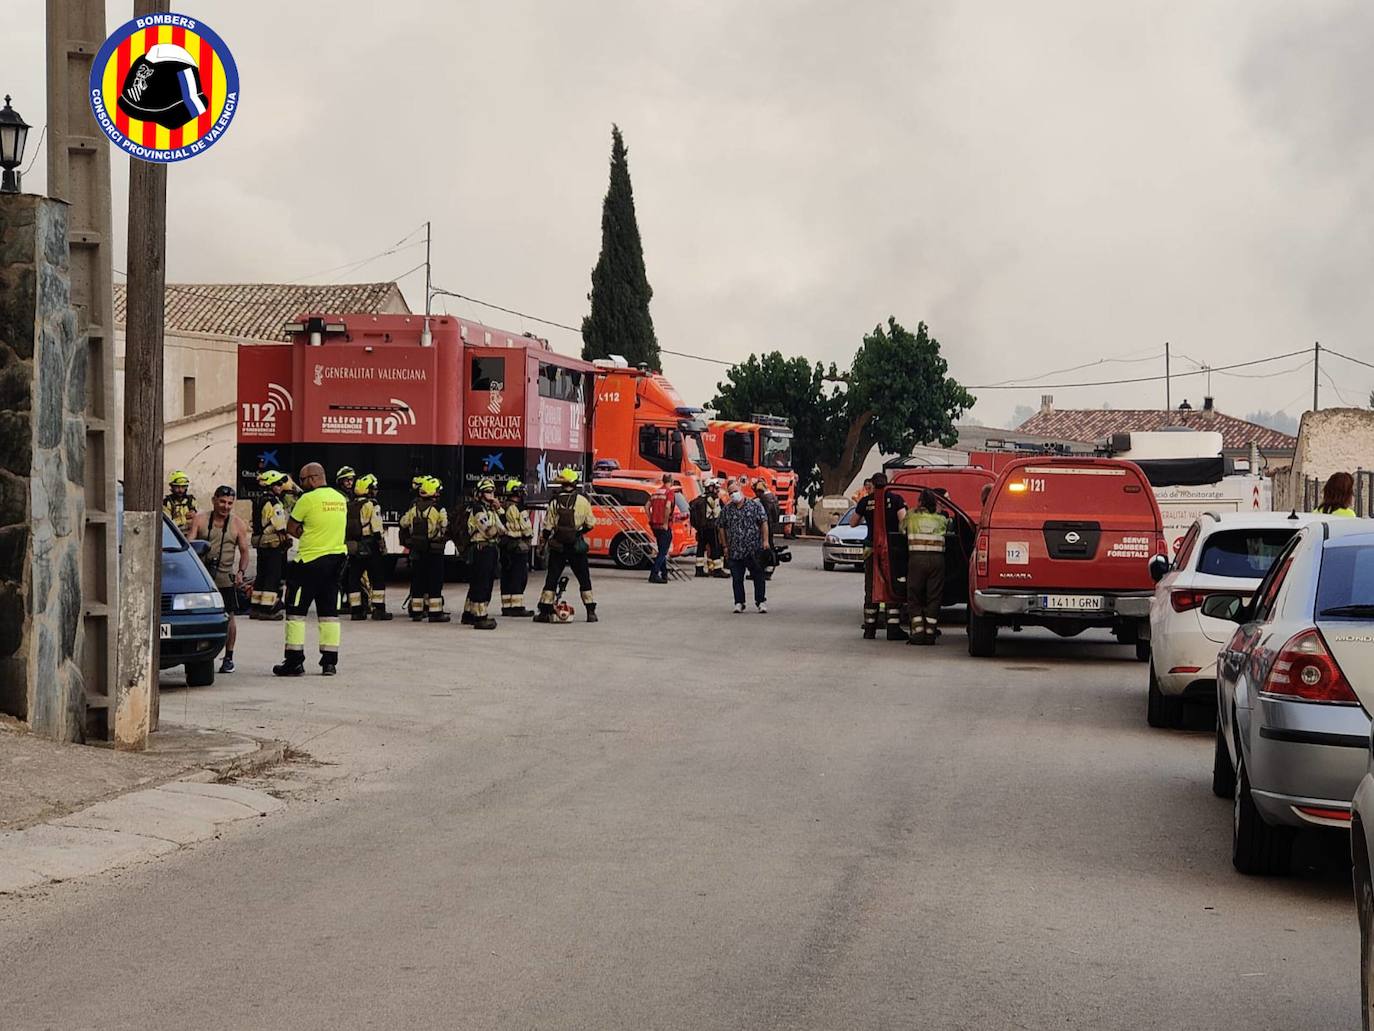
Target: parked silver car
1292	737
844	544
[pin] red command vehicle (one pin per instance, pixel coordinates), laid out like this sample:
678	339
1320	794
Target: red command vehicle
960	490
761	450
610	539
1066	543
642	423
390	395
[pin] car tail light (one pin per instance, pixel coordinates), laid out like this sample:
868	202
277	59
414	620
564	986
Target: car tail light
1305	670
1321	812
1161	545
983	550
1184	600
1186	669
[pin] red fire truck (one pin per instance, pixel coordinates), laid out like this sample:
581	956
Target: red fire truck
761	450
642	422
401	395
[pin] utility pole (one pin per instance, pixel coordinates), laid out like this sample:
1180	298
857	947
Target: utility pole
141	561
427	287
1316	371
1168	393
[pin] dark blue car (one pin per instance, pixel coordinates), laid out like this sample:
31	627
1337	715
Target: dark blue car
193	621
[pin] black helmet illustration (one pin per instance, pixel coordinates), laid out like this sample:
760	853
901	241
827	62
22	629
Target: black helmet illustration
163	86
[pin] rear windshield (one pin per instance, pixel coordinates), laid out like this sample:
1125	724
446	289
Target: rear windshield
1345	589
1090	490
1247	554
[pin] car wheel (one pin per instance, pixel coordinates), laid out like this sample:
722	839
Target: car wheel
625	553
1162	710
200	674
1223	775
1257	848
982	637
827	565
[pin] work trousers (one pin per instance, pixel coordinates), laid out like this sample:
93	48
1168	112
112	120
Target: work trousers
558	561
753	565
870	606
709	552
486	561
315	583
376	579
663	538
426	583
925	587
515	577
267	581
358	599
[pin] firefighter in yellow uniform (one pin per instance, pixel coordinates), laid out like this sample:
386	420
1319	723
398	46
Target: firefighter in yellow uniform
424	529
372	545
179	504
486	529
925	577
272	542
566	525
515	552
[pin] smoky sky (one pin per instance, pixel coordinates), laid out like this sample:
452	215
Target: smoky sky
1044	184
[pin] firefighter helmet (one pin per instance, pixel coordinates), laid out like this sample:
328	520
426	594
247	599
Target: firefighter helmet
178	479
346	472
416	480
568	476
271	477
364	485
514	486
429	487
486	486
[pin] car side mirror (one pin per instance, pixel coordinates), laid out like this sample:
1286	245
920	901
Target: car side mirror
1159	565
1230	607
200	547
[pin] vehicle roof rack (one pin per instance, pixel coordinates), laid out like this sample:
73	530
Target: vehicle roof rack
768	420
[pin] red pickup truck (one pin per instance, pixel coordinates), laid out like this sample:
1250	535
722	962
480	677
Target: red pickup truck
1066	544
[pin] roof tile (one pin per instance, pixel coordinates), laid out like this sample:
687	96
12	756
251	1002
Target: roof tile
1096	423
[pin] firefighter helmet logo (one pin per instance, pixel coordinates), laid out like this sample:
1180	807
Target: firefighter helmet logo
164	87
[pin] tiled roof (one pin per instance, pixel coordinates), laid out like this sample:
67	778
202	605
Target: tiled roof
257	311
1096	423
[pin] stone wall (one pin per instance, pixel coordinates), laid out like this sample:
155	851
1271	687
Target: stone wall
1329	441
42	458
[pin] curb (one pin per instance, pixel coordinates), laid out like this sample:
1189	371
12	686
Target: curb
269	753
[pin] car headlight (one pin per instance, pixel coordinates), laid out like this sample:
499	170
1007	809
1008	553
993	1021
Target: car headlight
830	538
196	601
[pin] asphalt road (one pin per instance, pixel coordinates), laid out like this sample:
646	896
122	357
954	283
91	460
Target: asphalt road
685	818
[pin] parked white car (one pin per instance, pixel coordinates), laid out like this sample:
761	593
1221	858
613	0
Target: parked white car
1227	552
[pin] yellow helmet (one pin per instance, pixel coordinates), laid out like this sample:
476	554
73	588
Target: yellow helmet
178	479
271	477
429	487
568	476
417	480
346	472
514	486
486	486
364	484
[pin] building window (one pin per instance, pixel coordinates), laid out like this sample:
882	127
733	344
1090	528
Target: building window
188	395
488	371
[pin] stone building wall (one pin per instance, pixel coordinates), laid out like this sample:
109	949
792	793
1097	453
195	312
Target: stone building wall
1329	441
42	458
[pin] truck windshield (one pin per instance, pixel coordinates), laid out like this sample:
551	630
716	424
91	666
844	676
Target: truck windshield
696	451
777	450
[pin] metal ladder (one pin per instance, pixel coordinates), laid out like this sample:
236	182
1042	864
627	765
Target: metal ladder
641	541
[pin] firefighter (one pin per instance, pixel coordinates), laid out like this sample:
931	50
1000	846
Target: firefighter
179	504
887	522
423	530
353	535
344	480
515	552
567	523
272	543
486	529
372	546
705	513
925	578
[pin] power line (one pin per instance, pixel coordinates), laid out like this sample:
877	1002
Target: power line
1339	396
438	292
1137	379
1155	356
1357	361
37	149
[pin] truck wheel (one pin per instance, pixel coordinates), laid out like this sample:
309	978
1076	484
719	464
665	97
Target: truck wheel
1162	710
625	553
982	636
1223	776
1256	847
1142	651
200	674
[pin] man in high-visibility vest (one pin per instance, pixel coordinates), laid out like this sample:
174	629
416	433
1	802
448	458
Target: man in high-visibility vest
925	575
515	552
317	521
424	530
486	528
179	504
272	542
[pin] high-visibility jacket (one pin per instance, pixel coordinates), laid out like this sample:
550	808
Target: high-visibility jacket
271	520
925	531
424	527
180	509
373	531
485	526
519	529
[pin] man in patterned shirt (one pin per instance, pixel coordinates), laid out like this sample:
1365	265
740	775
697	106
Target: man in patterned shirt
746	536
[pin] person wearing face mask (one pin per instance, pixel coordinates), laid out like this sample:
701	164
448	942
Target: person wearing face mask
745	524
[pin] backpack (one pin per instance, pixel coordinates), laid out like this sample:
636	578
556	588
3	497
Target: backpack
659	506
564	510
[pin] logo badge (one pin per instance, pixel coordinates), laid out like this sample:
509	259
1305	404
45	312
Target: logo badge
1072	537
164	88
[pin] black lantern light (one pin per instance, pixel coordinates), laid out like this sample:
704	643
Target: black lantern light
14	133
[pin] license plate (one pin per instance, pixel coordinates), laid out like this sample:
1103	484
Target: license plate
1074	602
164	630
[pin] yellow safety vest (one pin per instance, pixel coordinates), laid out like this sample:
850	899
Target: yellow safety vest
925	531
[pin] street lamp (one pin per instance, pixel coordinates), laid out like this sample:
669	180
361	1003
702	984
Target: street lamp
14	133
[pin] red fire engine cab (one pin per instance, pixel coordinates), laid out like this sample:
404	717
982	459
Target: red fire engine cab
402	395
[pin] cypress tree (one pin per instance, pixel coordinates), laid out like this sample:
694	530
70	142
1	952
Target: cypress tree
619	322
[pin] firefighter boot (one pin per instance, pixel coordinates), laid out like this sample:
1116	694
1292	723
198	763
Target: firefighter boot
591	612
293	665
468	617
356	612
545	614
379	612
480	619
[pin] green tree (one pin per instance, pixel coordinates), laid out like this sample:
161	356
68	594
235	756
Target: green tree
619	322
896	394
